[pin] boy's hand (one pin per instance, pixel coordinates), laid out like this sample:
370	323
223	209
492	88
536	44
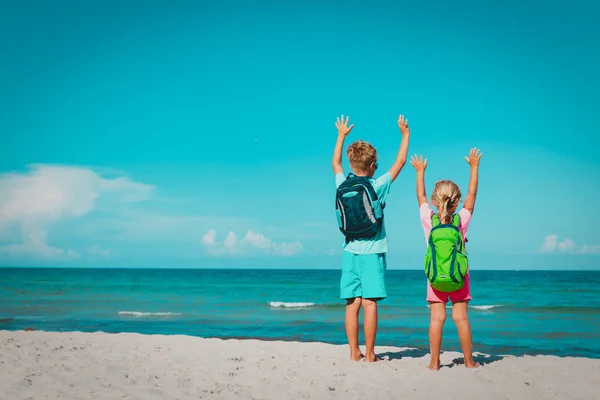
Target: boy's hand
418	163
403	151
342	126
343	131
474	157
403	125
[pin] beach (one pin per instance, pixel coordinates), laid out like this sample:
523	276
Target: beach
75	365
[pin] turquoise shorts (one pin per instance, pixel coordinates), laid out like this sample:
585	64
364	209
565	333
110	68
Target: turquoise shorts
363	275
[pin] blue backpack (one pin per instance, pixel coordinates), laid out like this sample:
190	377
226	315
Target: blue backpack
359	213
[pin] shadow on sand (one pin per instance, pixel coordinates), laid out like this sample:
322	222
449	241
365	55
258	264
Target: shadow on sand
482	359
407	353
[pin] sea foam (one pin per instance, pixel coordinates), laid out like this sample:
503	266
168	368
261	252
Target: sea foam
486	307
280	304
481	307
148	314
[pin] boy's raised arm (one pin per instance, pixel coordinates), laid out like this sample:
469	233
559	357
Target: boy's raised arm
420	165
402	153
473	160
343	131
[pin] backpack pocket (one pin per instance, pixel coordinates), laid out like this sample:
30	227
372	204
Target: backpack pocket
340	215
429	267
461	266
458	264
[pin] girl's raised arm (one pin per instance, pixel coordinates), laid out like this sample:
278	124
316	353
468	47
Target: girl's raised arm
473	160
420	165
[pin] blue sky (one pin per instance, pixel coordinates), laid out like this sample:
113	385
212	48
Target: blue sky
142	134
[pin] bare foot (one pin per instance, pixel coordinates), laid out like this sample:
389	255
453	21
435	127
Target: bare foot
373	358
357	357
471	364
434	366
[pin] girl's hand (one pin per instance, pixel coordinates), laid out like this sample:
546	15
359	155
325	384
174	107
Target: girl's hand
418	163
474	157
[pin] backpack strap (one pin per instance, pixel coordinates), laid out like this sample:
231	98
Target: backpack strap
456	220
456	223
435	220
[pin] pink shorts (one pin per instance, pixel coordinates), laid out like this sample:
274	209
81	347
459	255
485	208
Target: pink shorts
464	294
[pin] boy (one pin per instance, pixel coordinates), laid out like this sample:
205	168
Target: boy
364	259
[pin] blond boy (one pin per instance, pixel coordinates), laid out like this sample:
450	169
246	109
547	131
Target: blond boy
364	258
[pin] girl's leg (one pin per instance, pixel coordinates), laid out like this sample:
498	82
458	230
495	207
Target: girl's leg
352	311
459	315
436	325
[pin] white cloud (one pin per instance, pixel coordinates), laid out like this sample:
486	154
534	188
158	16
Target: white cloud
258	240
553	245
43	194
34	242
99	252
210	238
231	241
566	245
590	249
252	243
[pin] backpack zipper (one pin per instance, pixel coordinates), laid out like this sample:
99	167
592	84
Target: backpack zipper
343	214
368	207
453	262
433	260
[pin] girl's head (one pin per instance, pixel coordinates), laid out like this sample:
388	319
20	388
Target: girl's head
445	197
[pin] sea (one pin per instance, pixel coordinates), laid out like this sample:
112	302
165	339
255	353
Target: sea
512	312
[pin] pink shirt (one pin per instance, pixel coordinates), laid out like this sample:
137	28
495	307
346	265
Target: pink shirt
426	213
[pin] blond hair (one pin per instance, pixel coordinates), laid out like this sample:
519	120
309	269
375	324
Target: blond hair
361	155
445	195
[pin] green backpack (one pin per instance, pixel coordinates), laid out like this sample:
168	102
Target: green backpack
446	262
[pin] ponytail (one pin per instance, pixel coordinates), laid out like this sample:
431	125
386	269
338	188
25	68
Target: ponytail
445	194
443	210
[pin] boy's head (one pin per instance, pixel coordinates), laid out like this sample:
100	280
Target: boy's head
363	158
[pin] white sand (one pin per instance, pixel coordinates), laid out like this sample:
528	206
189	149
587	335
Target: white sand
44	365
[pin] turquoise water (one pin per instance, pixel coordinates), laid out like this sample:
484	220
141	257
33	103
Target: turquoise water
512	312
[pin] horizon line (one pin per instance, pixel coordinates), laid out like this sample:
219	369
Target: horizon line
284	269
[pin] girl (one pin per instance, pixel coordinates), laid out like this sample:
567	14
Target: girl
446	197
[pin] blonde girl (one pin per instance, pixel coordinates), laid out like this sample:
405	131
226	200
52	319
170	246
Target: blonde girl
445	198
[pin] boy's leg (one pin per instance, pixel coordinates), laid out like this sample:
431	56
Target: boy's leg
459	315
351	291
352	311
372	267
370	306
436	325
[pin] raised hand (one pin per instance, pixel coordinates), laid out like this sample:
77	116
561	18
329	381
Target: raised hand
403	125
474	157
473	160
418	162
342	126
